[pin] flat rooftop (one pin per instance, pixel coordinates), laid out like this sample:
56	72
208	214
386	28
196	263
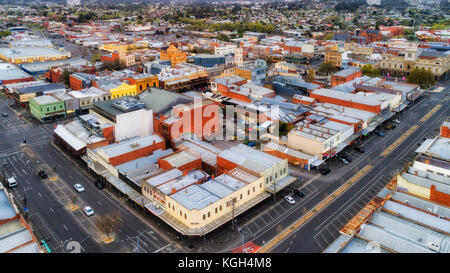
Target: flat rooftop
130	145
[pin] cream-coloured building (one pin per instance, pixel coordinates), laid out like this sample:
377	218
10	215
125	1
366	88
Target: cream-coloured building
363	50
437	62
323	140
200	205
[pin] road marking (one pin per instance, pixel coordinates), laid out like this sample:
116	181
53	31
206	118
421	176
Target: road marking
52	210
40	195
434	110
98	202
394	145
65	227
315	210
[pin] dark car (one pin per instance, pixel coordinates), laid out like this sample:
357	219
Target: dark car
360	149
299	192
325	171
349	159
99	185
42	174
380	133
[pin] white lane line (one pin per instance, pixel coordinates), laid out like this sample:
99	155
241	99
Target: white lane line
51	209
65	227
40	195
98	202
364	188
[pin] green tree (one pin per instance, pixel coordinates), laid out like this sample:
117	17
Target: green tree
369	70
327	68
65	76
422	77
95	58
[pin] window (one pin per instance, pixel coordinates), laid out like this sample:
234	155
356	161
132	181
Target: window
181	214
260	185
216	210
248	192
241	196
220	207
185	217
204	217
209	214
253	189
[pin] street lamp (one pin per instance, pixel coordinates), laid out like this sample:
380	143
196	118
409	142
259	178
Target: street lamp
242	237
138	248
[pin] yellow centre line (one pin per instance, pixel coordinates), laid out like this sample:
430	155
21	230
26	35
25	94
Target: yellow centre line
410	131
315	210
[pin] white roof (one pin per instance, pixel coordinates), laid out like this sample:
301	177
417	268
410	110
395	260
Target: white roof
69	138
418	216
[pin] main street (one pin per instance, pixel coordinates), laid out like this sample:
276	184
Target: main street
268	219
47	200
322	229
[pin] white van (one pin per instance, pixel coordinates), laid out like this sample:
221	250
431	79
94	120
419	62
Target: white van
12	182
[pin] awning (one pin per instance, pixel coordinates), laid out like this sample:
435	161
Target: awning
281	184
317	162
400	108
152	207
121	186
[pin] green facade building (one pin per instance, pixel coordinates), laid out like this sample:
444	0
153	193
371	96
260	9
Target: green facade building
47	107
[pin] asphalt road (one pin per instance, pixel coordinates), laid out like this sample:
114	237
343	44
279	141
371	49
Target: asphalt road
266	220
321	230
47	200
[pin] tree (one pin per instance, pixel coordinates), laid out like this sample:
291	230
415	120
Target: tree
368	70
328	68
422	77
109	223
73	201
65	76
95	58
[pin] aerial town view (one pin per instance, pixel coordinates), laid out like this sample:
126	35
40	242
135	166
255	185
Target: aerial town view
224	127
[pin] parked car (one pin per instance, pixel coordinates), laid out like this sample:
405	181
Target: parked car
396	121
380	133
349	159
4	114
79	187
360	150
88	211
299	192
42	174
343	160
325	171
99	185
390	127
290	200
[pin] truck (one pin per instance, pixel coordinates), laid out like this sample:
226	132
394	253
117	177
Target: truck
12	182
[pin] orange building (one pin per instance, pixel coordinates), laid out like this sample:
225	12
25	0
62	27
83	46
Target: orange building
144	81
174	55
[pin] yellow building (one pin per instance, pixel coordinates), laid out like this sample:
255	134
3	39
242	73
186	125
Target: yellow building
144	81
31	54
415	185
119	89
123	47
333	55
174	55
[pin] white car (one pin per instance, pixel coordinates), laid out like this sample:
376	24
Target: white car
79	187
88	211
343	160
290	200
396	121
